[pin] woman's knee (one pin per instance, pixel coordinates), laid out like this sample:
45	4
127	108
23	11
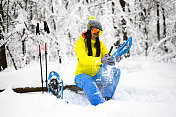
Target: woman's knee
82	79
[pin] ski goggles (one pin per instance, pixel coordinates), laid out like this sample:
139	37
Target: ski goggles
96	31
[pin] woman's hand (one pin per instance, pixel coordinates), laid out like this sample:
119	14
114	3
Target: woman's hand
108	60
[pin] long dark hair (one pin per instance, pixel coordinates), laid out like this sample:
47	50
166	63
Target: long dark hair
88	44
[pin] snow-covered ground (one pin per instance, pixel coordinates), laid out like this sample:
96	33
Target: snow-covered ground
146	89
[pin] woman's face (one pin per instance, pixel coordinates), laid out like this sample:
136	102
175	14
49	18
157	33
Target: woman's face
94	35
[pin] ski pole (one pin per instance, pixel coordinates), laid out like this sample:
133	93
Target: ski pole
110	50
46	29
46	63
41	68
38	33
37	29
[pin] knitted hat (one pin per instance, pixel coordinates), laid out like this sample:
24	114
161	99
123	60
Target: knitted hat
93	23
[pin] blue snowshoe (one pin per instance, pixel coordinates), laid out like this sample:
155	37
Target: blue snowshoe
108	77
55	84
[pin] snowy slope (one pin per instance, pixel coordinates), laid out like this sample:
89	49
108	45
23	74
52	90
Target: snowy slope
146	89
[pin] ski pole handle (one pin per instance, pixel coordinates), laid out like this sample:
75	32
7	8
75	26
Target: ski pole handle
37	29
46	28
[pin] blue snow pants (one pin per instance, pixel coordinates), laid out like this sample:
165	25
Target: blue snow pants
100	86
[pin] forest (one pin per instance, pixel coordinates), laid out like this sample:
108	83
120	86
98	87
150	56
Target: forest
151	23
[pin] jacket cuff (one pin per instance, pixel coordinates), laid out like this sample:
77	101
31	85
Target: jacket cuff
98	62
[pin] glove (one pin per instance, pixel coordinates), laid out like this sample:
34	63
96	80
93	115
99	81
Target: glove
107	60
118	58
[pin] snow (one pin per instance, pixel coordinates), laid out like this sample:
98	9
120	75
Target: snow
146	89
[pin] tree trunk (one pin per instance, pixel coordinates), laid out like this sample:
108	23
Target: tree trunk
145	30
13	61
164	23
2	17
26	5
113	9
164	30
31	11
122	3
52	9
158	22
146	42
23	42
3	61
123	22
8	16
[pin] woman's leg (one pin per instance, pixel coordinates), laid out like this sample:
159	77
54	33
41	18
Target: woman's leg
93	93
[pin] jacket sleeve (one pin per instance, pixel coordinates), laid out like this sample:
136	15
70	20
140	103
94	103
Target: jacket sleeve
104	50
82	55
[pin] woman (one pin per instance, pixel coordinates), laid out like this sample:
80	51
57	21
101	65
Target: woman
91	53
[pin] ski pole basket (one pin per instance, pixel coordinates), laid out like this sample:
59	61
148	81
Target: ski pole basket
55	84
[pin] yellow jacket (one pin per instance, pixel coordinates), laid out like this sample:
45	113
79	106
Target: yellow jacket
88	64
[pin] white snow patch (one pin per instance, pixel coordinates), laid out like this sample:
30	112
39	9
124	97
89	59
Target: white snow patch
146	89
